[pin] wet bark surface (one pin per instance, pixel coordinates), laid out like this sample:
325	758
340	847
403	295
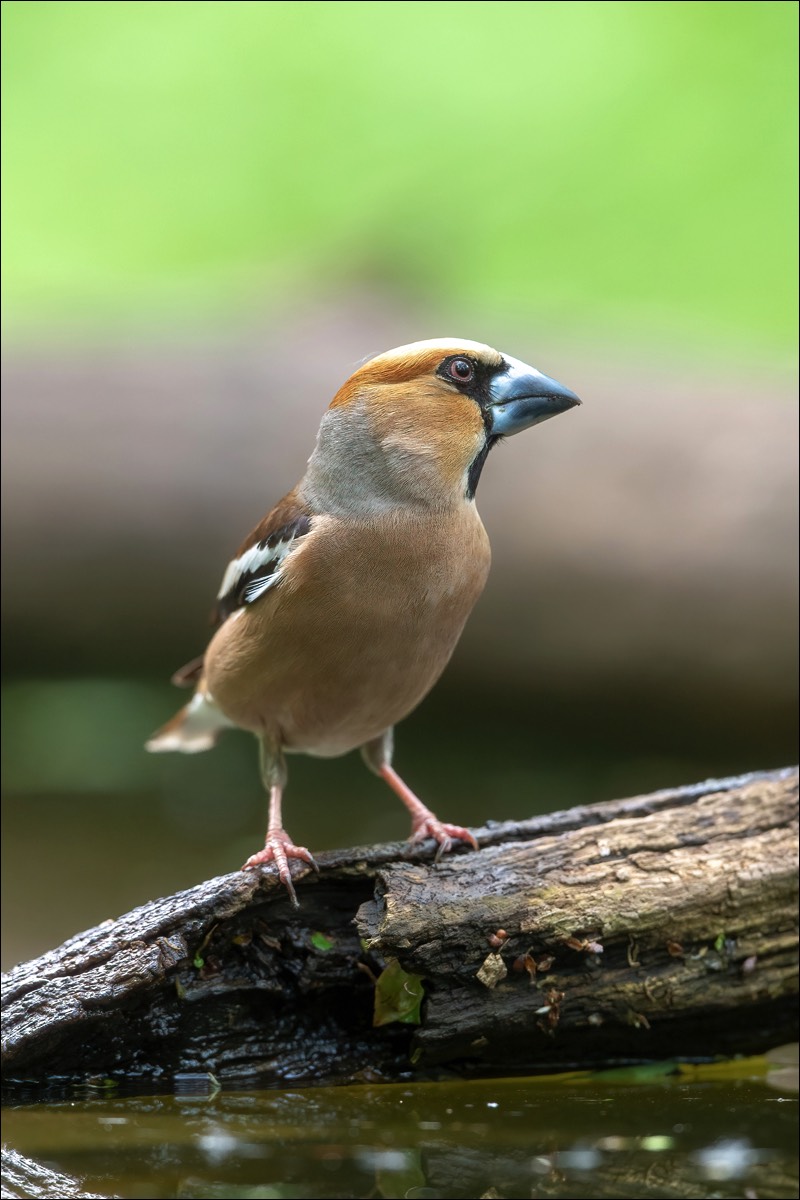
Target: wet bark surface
657	926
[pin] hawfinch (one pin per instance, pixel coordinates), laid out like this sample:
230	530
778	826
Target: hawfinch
341	609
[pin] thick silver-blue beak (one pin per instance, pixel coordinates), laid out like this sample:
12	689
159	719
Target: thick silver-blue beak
521	396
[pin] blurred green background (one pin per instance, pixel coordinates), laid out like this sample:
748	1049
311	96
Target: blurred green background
212	211
617	168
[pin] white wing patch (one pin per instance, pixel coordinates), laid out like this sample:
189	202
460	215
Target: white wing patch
249	563
259	586
258	569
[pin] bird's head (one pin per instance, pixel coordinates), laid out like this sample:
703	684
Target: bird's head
414	425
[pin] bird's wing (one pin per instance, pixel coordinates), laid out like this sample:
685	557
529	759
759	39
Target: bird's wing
190	675
256	567
257	564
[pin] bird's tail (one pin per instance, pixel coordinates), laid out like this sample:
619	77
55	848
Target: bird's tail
196	727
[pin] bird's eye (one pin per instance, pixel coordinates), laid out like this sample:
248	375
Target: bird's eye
461	369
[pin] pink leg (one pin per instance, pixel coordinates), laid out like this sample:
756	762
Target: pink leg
424	823
279	847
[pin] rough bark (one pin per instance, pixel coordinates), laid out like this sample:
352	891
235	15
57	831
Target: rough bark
658	926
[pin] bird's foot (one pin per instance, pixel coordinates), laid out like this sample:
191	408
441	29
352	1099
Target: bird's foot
278	849
428	825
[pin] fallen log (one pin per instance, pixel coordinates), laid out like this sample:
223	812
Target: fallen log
653	927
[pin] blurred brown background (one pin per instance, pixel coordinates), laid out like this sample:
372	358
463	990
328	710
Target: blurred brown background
215	212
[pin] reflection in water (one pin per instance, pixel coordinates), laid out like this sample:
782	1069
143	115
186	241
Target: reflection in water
114	828
687	1135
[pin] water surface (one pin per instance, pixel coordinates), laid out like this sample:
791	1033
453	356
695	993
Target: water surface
723	1131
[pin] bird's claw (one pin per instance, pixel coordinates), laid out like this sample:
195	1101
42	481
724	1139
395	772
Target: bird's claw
279	849
441	832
